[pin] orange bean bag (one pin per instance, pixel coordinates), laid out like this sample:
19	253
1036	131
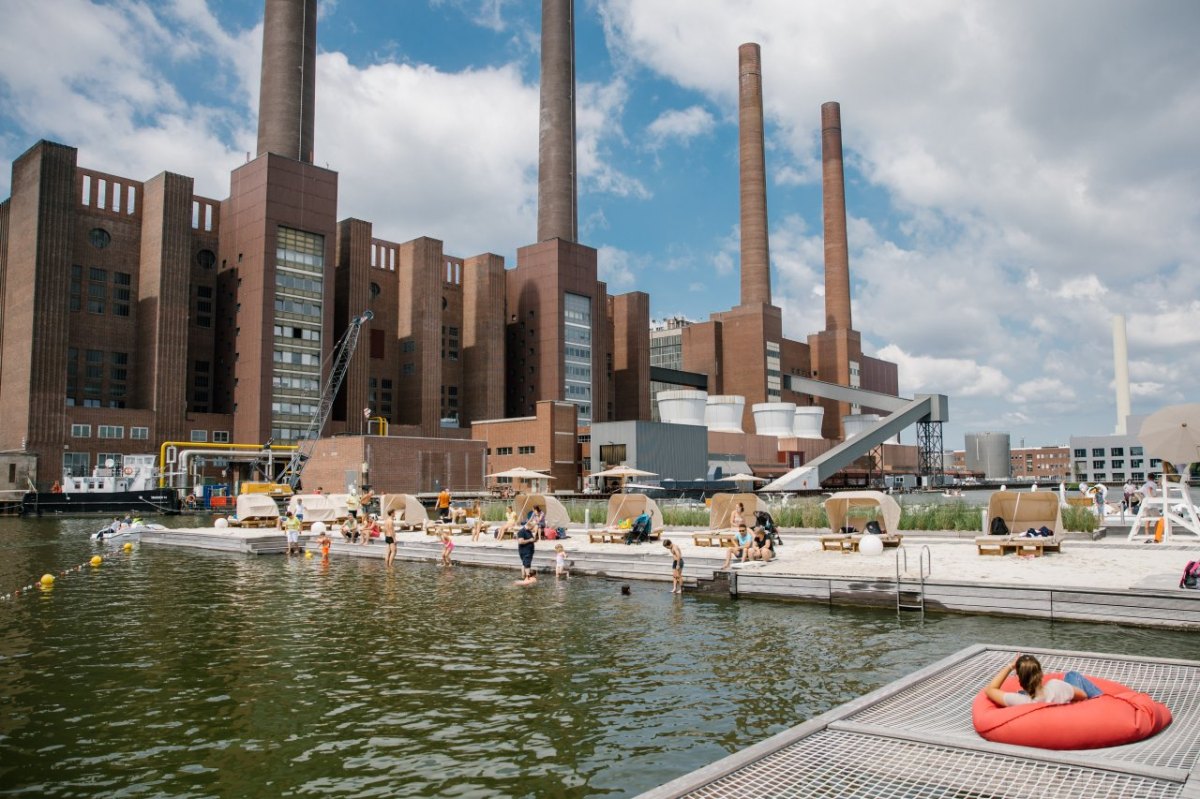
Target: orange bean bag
1119	716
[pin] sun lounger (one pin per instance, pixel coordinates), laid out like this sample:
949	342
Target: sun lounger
607	536
848	542
715	538
1003	544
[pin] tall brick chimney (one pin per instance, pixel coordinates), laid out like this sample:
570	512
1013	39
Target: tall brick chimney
286	102
557	212
837	253
756	257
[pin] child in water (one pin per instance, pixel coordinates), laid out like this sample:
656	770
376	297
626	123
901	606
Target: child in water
447	548
560	562
323	542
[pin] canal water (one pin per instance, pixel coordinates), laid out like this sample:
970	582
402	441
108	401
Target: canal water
181	673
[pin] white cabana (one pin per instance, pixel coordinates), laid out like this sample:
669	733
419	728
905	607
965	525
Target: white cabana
318	508
630	506
410	511
722	505
256	508
556	513
839	507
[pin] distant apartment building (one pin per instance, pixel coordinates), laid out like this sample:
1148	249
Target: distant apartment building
1112	458
1041	464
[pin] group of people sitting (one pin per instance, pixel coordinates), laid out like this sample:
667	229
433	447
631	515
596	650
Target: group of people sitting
748	546
534	521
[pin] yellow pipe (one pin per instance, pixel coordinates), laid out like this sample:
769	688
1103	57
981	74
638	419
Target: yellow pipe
162	452
383	424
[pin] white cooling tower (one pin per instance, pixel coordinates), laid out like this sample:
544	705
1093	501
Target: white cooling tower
807	421
682	406
723	414
774	418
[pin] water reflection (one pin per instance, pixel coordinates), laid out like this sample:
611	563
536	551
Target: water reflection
189	673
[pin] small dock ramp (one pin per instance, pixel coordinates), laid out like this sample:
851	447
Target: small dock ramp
914	738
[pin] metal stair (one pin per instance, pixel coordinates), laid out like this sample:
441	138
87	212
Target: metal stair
910	590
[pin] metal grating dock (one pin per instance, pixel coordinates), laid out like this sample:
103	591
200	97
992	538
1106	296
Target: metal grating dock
914	739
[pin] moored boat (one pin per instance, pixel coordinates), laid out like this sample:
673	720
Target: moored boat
129	488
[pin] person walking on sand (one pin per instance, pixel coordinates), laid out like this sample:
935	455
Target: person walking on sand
389	538
447	549
676	567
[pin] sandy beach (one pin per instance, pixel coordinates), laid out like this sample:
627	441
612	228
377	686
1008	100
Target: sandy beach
1108	563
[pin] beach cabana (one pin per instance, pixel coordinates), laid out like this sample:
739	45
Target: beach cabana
556	512
722	505
845	504
411	514
1022	510
630	506
256	510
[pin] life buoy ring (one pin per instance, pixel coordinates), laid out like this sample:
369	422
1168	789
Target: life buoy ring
128	470
1119	716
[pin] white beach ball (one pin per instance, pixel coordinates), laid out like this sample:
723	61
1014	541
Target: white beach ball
221	524
318	528
870	545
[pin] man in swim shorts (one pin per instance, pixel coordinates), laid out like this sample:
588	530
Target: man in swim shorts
525	538
676	567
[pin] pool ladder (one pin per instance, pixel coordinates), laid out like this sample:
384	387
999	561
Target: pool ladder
910	591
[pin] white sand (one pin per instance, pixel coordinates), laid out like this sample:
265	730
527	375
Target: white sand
1113	563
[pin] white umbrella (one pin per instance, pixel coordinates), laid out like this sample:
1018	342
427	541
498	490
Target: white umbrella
742	477
625	473
521	473
1173	434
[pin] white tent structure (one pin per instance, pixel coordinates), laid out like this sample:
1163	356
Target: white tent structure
256	510
556	512
411	514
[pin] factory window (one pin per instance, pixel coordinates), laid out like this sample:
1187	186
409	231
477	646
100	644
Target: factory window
199	435
99	238
407	369
1098	452
504	450
1081	453
1135	463
81	431
527	450
612	454
206	259
139	433
1097	464
1135	450
409	346
221	436
1118	464
110	431
1117	452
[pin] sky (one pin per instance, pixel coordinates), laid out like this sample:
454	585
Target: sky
1018	172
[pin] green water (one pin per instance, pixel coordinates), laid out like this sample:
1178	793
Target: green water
189	674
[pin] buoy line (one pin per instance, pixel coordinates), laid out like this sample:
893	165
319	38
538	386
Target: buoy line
46	581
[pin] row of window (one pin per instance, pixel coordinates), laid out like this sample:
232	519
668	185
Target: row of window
300	358
1115	452
290	280
302	333
98	292
140	433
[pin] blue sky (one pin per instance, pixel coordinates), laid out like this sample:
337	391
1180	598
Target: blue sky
1018	171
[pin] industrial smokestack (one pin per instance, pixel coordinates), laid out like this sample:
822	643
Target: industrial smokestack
557	213
756	256
286	103
837	251
1121	372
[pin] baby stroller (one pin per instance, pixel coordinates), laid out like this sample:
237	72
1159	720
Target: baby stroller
763	519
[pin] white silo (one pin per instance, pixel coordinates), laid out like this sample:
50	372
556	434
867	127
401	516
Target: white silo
723	413
989	453
859	423
774	418
683	406
807	421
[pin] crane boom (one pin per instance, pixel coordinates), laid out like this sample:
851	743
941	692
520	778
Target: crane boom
343	351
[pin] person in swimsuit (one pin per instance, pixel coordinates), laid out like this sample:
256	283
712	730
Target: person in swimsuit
1073	687
676	567
447	548
323	542
737	517
560	561
389	537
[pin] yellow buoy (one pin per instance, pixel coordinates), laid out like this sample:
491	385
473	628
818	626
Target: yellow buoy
96	560
308	554
47	579
128	546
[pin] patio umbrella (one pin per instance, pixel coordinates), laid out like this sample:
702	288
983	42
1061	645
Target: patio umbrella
625	473
1173	434
521	473
742	477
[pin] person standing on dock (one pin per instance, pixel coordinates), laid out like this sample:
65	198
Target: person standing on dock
676	566
389	537
352	505
443	505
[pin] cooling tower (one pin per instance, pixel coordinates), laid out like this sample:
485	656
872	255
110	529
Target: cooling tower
859	423
989	453
723	413
682	407
1121	373
774	418
807	421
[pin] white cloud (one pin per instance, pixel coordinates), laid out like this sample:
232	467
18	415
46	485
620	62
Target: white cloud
618	267
954	376
681	125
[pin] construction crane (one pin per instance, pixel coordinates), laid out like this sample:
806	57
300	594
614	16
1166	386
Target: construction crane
343	351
